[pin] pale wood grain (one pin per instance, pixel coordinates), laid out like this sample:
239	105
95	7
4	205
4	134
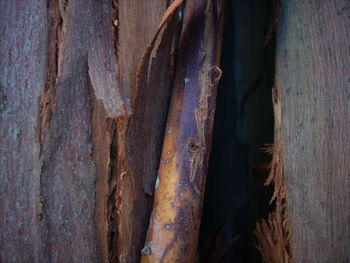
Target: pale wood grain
313	74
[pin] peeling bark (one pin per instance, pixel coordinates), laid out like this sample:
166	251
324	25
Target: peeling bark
70	163
140	139
273	234
85	88
62	97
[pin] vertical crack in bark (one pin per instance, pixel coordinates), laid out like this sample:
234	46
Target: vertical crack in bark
104	155
47	97
111	201
47	105
124	198
273	234
119	187
112	175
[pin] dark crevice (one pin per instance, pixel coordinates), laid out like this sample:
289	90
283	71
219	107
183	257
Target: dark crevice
46	106
111	202
236	197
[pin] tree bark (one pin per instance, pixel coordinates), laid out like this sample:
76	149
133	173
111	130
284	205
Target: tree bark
68	76
313	74
84	93
311	221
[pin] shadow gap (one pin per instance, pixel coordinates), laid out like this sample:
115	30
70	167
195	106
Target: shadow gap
235	197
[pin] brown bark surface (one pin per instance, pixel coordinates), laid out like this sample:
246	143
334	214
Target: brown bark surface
68	76
82	126
312	72
139	140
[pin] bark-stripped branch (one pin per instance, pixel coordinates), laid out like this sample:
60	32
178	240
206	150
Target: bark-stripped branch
173	231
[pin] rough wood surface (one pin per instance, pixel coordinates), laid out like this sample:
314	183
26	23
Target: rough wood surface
313	73
23	48
67	77
138	21
140	139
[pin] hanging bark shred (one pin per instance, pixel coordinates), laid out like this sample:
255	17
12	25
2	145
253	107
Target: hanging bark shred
174	226
273	234
312	75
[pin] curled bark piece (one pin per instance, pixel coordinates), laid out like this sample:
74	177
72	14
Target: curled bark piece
143	67
173	231
139	142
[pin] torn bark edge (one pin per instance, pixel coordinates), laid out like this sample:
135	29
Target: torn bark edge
123	195
143	66
275	16
273	234
103	143
47	99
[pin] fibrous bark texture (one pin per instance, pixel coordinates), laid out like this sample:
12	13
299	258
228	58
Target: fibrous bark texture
22	78
70	130
85	88
273	234
140	139
312	75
